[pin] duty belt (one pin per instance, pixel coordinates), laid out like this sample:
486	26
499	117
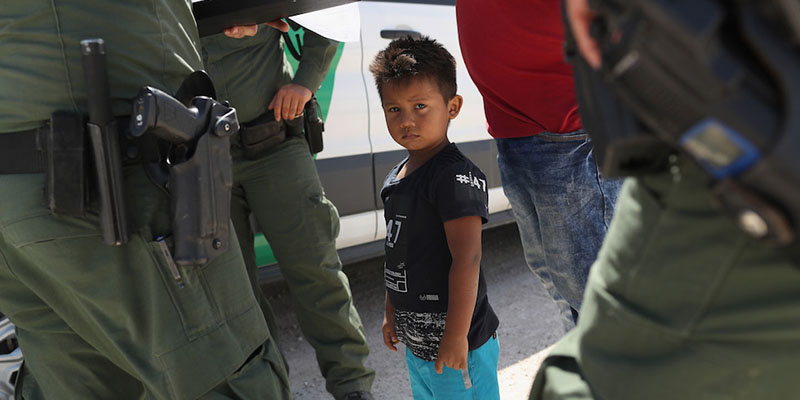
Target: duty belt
26	152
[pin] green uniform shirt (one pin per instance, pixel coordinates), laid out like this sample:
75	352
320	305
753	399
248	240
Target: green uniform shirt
248	71
40	56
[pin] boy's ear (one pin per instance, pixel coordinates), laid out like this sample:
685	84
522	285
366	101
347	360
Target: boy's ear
454	106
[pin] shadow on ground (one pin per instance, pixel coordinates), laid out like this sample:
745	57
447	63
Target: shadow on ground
528	323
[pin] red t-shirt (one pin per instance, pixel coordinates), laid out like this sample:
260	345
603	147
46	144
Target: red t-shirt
513	50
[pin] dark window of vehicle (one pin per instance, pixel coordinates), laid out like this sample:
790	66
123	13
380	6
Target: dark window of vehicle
437	2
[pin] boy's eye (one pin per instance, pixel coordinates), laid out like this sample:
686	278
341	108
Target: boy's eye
393	109
419	106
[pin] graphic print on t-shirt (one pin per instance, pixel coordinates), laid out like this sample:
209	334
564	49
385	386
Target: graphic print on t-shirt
393	229
473	181
395	275
396	278
421	332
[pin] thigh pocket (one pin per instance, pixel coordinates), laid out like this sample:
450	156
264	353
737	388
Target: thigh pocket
319	221
43	227
209	295
482	363
191	296
127	289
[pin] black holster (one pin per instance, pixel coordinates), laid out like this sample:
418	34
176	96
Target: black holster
194	150
201	194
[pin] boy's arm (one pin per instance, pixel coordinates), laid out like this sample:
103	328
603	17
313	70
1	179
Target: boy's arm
464	241
389	330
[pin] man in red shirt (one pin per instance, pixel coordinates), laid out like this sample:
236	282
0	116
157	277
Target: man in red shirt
561	202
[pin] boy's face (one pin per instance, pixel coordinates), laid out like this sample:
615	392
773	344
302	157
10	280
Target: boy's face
417	114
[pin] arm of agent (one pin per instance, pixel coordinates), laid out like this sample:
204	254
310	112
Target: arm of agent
580	18
318	52
464	240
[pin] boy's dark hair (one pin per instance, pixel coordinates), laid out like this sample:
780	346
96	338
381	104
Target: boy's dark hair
407	58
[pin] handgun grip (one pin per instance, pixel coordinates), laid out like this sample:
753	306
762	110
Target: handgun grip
165	116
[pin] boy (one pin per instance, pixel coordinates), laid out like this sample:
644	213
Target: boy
434	204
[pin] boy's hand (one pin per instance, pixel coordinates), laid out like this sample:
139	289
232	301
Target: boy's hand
389	333
452	353
389	330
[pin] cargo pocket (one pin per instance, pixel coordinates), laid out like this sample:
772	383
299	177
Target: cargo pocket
209	295
323	220
189	293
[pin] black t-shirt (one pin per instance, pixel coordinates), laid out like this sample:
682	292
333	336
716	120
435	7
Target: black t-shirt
446	187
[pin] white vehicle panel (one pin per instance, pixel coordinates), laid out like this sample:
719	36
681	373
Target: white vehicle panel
347	122
358	229
438	22
355	123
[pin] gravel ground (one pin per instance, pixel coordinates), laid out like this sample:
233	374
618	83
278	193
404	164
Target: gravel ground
528	324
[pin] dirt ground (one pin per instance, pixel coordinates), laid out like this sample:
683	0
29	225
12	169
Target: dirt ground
528	324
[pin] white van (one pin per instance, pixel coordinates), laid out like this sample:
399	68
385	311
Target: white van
359	151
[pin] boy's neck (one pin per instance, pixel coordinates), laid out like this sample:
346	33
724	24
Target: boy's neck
417	158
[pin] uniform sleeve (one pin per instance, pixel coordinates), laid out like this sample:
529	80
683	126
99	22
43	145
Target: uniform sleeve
461	191
317	55
247	71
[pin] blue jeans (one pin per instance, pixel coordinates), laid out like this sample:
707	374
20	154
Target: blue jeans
562	206
477	382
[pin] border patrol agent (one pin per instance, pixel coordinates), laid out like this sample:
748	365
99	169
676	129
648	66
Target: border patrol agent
101	321
682	303
276	180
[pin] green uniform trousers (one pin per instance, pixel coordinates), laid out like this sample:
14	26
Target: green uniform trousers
283	191
681	304
102	322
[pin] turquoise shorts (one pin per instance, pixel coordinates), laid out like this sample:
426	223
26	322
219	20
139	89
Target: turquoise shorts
477	382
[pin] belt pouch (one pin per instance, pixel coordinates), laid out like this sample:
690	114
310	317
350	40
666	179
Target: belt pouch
261	135
294	127
66	179
313	126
